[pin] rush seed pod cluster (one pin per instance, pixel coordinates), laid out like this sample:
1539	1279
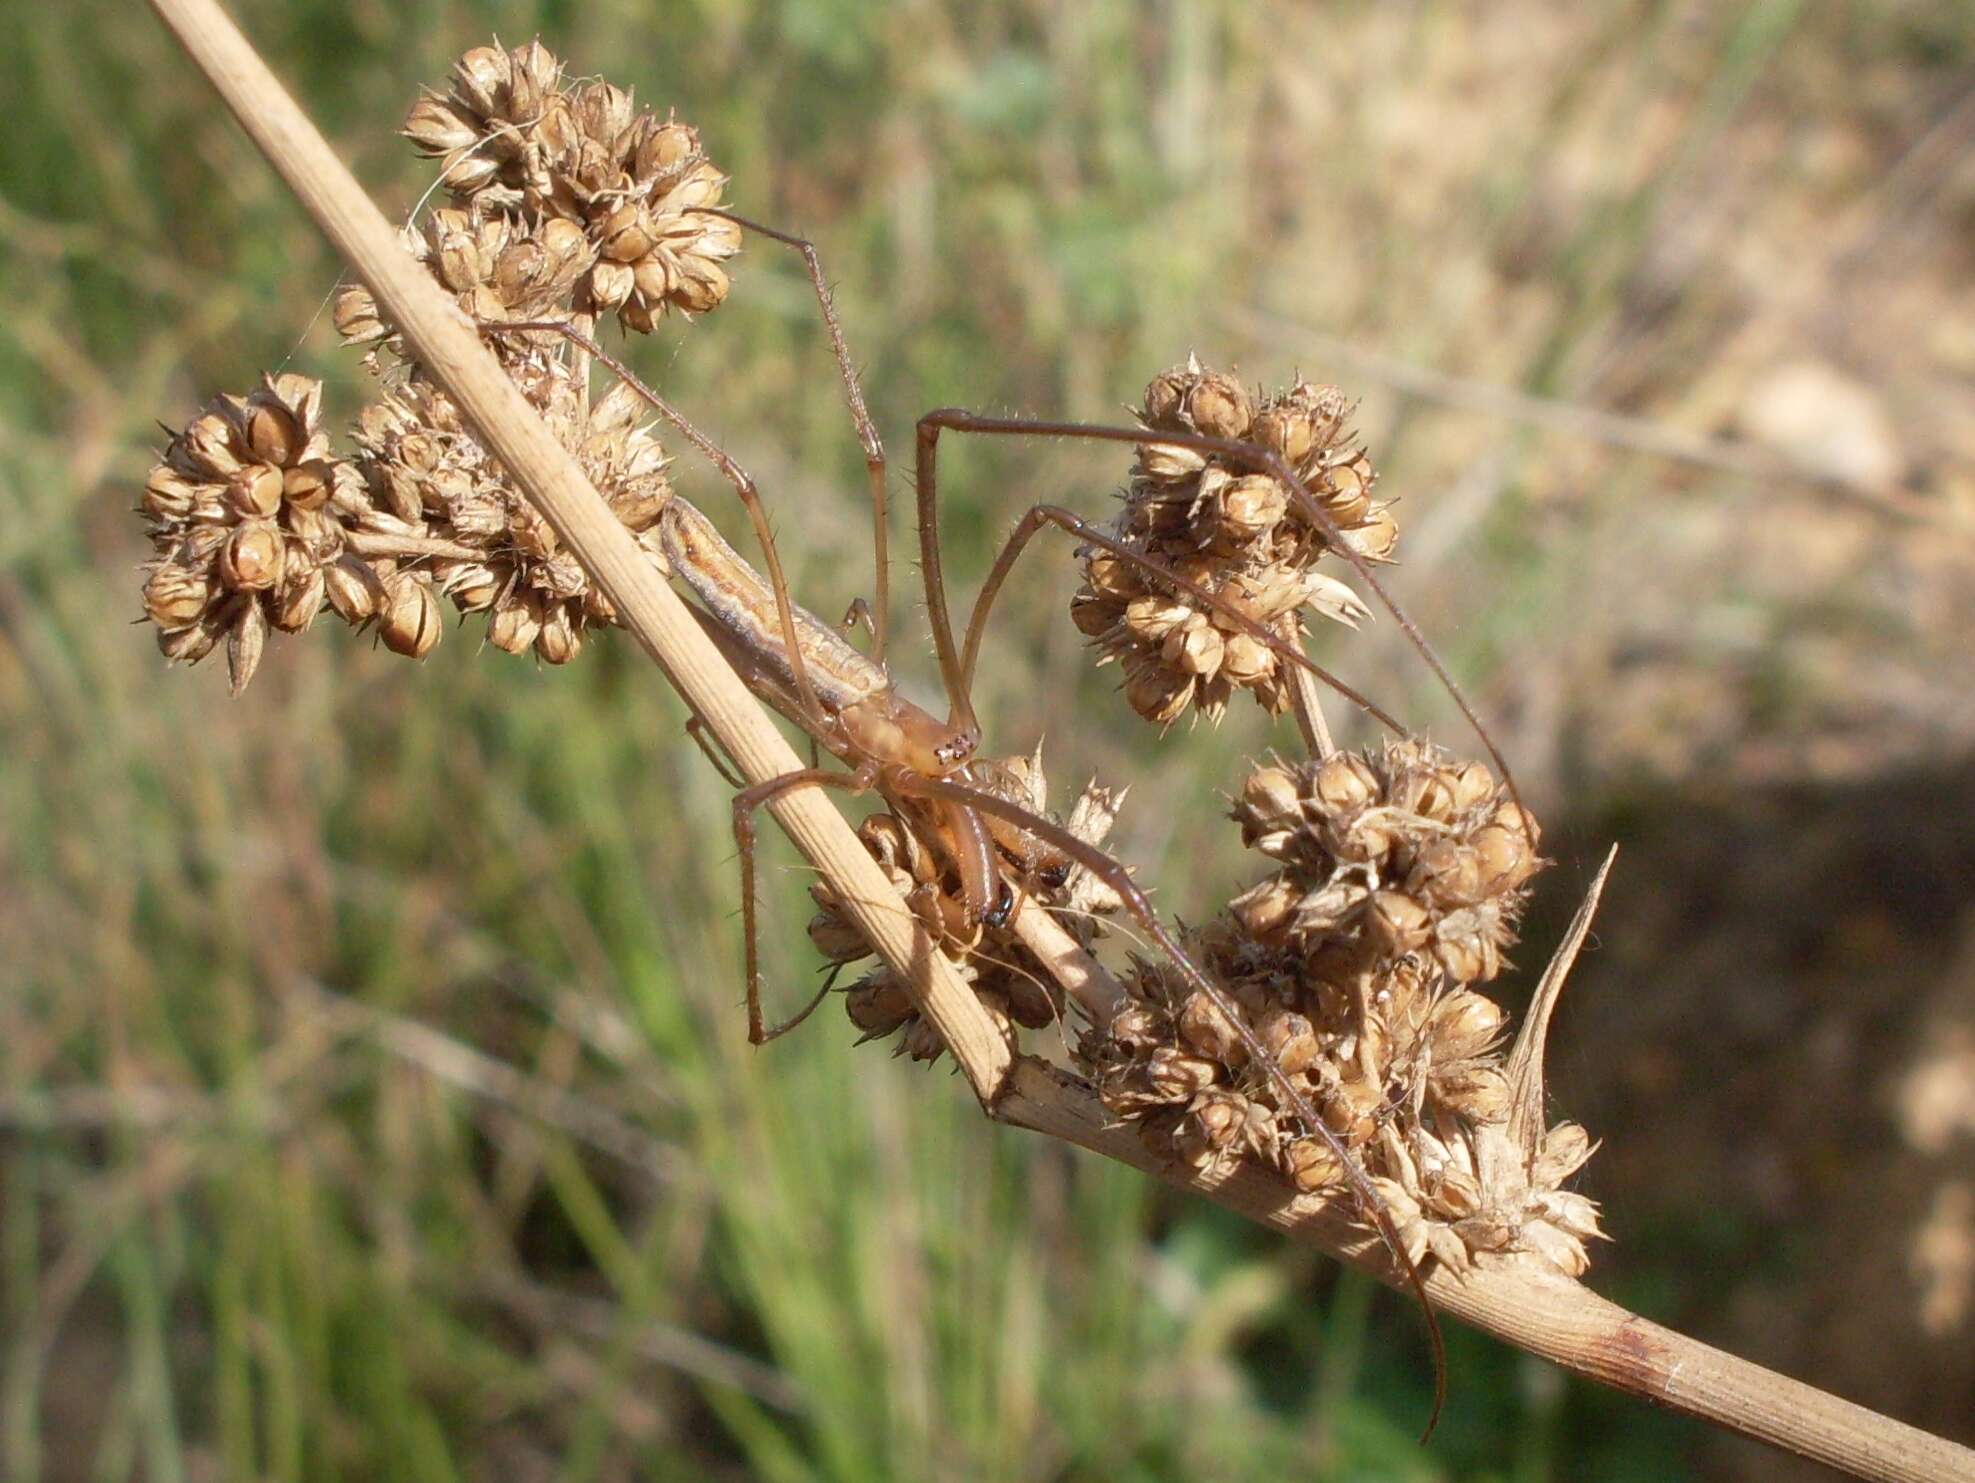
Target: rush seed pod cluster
1402	875
1233	532
568	202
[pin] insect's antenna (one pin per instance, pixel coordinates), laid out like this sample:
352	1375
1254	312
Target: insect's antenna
1370	1203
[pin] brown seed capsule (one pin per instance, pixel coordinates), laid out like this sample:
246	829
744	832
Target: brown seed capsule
1476	1091
1269	796
626	234
409	620
473	586
1193	649
207	449
1467	955
1446	874
1456	1195
254	492
1174	1076
307	486
437	127
702	286
1158	695
1375	537
353	589
300	599
1311	1165
175	596
1290	1038
878	1005
168	495
1267	908
1205	1031
1246	660
559	641
1287	428
1345	783
1564	1151
356	316
272	432
253	557
1473	785
244	641
1253	504
1399	923
1464	1025
1218	407
514	627
1504	857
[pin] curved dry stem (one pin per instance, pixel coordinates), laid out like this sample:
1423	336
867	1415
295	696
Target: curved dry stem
1549	1316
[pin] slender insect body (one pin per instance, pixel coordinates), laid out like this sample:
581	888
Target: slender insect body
741	599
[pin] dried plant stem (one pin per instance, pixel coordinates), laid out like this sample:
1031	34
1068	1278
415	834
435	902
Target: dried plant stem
1553	1317
1081	976
1307	696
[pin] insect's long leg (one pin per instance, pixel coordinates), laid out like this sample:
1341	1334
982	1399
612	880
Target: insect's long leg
1074	524
1260	460
867	431
1119	879
746	802
699	731
743	483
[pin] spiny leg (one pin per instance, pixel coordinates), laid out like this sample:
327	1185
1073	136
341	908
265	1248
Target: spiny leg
699	731
1119	879
746	802
744	486
1260	460
867	432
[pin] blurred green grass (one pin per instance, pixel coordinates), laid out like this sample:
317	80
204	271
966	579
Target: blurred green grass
376	1099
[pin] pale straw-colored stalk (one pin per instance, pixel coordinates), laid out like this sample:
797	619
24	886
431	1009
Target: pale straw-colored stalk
1551	1316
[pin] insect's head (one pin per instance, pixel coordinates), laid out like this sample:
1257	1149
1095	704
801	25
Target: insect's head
956	748
892	730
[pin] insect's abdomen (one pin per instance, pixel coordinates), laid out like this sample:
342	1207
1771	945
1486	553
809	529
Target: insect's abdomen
740	599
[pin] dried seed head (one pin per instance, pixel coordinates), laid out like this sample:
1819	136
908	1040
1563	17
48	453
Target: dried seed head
1399	846
1241	534
239	516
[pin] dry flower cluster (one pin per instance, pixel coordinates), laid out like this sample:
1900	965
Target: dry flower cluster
570	202
1402	875
1233	533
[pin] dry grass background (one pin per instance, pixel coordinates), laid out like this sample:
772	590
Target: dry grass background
373	1096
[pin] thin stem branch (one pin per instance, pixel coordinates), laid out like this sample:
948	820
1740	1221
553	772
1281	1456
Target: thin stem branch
375	543
1554	1317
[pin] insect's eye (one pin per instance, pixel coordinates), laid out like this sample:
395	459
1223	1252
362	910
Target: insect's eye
955	750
